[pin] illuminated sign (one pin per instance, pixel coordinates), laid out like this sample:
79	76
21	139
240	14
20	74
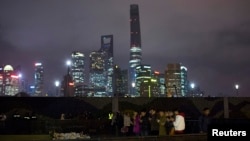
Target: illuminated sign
38	64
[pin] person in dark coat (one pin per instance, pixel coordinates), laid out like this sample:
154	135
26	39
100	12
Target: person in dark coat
204	120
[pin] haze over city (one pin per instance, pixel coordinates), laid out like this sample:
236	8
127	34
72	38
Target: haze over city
211	38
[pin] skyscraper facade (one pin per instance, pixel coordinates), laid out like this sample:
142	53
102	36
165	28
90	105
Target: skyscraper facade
107	50
176	80
9	81
184	81
39	79
160	77
124	88
135	44
143	76
67	85
97	78
118	82
78	71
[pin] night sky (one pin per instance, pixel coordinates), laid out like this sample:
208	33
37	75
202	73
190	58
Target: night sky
211	38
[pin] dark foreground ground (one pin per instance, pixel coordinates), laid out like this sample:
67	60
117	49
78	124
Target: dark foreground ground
185	137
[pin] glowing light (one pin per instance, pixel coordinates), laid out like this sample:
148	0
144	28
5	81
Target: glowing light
68	62
153	80
133	84
14	76
8	68
157	72
237	86
38	64
57	83
71	83
192	85
183	67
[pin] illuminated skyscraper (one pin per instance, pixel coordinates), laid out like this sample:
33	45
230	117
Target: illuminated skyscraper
97	73
107	50
143	81
176	80
77	71
39	80
9	81
124	88
160	77
184	81
120	82
135	44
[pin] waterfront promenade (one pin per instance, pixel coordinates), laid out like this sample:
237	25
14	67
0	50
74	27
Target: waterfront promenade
184	137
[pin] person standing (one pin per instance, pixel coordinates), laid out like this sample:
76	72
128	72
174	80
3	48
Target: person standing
162	121
126	124
204	120
154	126
145	124
136	123
169	123
179	122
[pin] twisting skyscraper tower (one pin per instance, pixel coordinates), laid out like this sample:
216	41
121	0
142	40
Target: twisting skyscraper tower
135	45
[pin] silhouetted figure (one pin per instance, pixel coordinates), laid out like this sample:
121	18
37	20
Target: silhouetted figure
154	125
204	120
145	124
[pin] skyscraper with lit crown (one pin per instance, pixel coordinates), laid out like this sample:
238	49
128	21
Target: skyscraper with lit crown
9	81
77	71
39	79
135	45
107	50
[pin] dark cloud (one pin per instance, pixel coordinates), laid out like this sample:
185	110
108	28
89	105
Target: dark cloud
211	38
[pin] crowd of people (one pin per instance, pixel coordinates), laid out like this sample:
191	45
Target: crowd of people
149	123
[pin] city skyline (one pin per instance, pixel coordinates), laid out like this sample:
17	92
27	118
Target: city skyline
210	38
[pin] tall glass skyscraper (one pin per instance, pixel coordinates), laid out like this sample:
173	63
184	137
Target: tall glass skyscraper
107	50
135	45
39	80
77	71
97	73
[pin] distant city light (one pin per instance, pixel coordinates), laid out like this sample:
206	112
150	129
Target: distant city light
157	72
68	62
192	85
57	83
38	64
20	75
133	84
237	86
8	68
14	76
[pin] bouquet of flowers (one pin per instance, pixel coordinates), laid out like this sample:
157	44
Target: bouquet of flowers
68	136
